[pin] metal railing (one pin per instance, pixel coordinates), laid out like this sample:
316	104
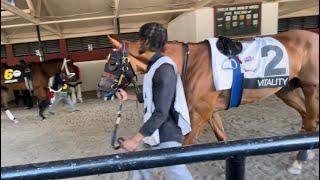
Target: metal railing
234	152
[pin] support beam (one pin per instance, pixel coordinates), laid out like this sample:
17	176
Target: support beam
157	12
26	16
17	11
297	7
4	38
100	17
202	3
38	9
50	13
31	7
116	14
313	11
5	13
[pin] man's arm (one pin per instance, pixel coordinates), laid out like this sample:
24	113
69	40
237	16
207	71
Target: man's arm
164	87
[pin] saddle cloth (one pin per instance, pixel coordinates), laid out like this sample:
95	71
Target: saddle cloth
14	74
264	62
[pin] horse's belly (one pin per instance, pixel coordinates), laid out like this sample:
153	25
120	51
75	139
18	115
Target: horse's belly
14	86
254	95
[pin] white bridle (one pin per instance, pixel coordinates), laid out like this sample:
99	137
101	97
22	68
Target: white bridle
64	65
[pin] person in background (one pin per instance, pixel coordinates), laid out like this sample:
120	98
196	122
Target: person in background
60	88
76	89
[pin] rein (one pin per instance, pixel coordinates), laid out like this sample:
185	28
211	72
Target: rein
185	62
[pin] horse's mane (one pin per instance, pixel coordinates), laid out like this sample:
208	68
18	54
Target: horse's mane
55	60
191	43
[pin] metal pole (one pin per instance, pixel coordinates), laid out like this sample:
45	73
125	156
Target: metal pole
118	25
235	168
42	57
161	157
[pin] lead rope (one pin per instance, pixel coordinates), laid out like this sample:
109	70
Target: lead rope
114	133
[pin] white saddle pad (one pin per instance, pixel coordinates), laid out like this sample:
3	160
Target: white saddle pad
265	64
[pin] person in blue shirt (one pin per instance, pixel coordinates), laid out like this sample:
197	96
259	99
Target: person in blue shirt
60	87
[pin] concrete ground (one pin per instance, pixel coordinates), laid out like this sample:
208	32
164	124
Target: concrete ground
88	133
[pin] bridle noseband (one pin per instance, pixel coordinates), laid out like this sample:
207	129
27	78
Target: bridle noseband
124	74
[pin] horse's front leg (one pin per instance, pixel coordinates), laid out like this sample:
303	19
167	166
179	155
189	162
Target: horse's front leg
44	101
197	124
43	104
4	102
217	127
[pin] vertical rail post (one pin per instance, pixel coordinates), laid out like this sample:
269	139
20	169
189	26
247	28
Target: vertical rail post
42	57
235	168
118	26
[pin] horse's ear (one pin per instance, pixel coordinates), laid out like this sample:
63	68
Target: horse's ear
114	42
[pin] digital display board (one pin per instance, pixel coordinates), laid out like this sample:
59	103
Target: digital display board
237	20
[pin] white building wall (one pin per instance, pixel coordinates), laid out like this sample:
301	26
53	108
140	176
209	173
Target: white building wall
269	18
183	28
90	74
204	23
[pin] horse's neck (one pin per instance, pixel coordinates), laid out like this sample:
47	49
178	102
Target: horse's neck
51	68
176	52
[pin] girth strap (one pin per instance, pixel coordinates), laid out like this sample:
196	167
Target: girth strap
185	62
237	84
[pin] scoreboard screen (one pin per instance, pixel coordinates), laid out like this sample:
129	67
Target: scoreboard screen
237	20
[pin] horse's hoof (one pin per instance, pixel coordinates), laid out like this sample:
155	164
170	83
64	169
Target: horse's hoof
14	120
295	168
310	155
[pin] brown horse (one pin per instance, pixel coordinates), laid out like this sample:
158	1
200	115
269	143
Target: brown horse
40	74
205	102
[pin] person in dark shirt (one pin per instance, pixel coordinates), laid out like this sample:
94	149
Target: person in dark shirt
164	118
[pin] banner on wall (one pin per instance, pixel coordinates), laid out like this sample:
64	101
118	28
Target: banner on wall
237	20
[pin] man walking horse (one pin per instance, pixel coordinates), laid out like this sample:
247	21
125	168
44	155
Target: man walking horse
205	98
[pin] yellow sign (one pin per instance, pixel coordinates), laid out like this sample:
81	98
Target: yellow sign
65	86
241	17
8	74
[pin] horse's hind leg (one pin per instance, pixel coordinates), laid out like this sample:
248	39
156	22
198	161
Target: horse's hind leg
311	94
43	104
217	127
308	111
309	124
4	101
291	96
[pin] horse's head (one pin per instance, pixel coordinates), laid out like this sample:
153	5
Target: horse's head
118	72
67	71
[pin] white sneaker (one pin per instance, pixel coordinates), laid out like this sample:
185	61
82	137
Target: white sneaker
295	168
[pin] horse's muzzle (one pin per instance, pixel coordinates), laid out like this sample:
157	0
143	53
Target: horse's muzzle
105	91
